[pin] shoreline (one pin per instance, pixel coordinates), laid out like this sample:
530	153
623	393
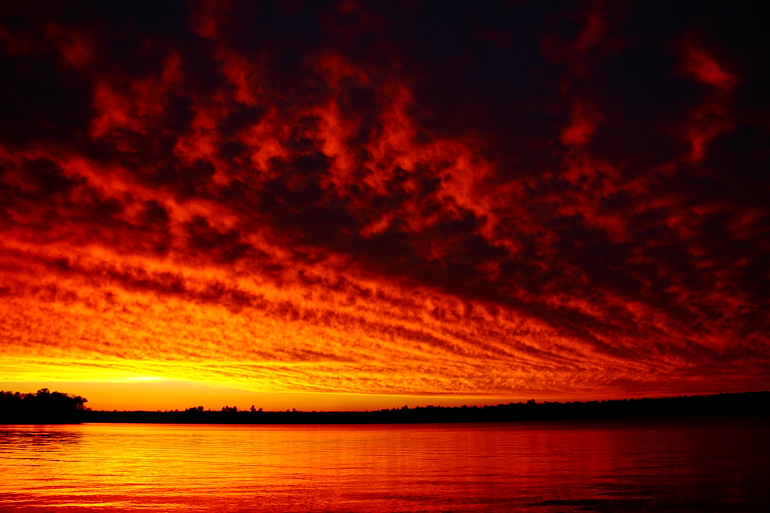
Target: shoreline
741	403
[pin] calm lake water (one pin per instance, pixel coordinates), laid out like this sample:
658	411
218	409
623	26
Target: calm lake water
698	464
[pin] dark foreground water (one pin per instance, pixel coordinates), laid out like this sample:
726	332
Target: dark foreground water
697	464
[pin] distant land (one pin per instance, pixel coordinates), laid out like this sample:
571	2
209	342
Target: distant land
42	407
45	407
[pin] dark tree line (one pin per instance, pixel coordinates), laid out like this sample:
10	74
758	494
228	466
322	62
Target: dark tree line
720	404
42	406
56	407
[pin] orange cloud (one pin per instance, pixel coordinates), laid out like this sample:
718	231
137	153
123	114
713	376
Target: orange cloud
306	201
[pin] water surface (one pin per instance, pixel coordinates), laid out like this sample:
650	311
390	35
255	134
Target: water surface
697	464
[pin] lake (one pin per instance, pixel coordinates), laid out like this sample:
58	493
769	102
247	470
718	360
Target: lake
685	464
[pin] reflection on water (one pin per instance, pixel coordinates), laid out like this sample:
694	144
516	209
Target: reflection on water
641	465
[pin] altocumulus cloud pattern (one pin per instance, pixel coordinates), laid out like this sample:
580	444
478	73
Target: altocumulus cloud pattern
387	197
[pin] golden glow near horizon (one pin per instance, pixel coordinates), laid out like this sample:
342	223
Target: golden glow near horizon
228	216
168	394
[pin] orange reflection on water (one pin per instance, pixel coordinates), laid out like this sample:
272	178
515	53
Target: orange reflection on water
696	464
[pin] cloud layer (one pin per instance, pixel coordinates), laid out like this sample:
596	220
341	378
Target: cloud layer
394	199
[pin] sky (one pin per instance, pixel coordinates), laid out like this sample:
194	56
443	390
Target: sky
353	205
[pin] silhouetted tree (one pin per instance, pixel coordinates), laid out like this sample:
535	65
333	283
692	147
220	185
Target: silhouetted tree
43	406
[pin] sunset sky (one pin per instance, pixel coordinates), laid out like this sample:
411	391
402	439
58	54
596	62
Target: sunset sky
354	205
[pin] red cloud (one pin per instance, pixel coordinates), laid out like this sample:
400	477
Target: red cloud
256	196
705	69
581	127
